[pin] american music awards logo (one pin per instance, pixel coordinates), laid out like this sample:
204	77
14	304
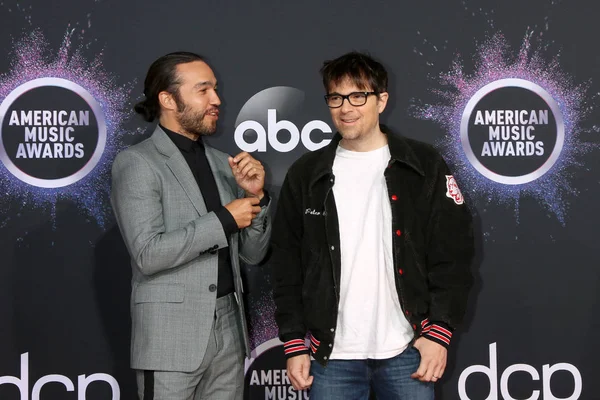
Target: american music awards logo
514	125
61	119
517	145
266	376
52	132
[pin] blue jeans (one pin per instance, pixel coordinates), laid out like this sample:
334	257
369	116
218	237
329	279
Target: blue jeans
352	379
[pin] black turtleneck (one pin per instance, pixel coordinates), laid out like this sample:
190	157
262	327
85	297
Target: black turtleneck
194	154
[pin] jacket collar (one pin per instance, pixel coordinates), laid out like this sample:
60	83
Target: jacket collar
400	152
163	143
183	143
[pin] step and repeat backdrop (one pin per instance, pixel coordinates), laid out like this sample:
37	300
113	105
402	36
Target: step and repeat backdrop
508	91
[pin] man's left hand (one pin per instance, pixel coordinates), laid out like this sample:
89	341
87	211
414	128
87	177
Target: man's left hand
249	174
433	360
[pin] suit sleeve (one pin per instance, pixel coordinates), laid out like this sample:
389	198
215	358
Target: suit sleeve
254	239
136	198
450	250
287	271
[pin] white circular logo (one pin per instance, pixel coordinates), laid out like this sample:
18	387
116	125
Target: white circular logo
267	118
512	131
52	132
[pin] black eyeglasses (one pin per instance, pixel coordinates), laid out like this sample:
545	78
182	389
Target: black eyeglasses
355	98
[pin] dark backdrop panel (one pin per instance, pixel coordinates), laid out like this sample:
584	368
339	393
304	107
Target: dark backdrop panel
64	272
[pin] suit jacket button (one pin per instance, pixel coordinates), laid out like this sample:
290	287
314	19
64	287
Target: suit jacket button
212	287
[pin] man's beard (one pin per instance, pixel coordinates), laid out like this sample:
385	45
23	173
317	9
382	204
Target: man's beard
193	121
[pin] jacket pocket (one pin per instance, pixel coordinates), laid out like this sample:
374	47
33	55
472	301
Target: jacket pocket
416	253
311	261
159	293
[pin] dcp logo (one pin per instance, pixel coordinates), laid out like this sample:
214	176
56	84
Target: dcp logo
269	113
83	382
491	373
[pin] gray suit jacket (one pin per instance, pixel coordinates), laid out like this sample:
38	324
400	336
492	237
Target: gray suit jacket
173	243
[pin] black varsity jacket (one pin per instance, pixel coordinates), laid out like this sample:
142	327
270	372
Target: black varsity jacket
432	246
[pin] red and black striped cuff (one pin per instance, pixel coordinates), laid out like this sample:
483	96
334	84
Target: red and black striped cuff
294	347
314	343
437	332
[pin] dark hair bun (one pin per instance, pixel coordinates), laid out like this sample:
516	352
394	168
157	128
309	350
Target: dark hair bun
146	111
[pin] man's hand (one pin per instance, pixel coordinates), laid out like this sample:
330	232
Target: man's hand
248	173
244	210
433	360
297	370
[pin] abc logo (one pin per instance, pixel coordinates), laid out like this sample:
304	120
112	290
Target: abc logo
260	116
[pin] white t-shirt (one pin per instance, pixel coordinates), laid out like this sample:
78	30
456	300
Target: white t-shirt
370	322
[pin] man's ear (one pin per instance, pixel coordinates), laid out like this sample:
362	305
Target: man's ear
382	100
167	101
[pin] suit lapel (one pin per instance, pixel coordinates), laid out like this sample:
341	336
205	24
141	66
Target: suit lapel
179	167
225	185
221	178
186	179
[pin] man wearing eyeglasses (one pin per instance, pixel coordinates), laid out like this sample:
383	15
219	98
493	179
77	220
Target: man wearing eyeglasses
372	246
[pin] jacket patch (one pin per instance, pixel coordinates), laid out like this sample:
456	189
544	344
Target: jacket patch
452	190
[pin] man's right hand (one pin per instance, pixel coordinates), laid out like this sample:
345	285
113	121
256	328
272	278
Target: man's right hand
244	210
298	368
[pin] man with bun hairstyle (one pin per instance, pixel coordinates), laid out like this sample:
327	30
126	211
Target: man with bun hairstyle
372	245
188	213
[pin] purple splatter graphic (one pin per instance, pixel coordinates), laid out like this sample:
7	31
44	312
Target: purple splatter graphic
262	319
261	310
33	58
495	60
